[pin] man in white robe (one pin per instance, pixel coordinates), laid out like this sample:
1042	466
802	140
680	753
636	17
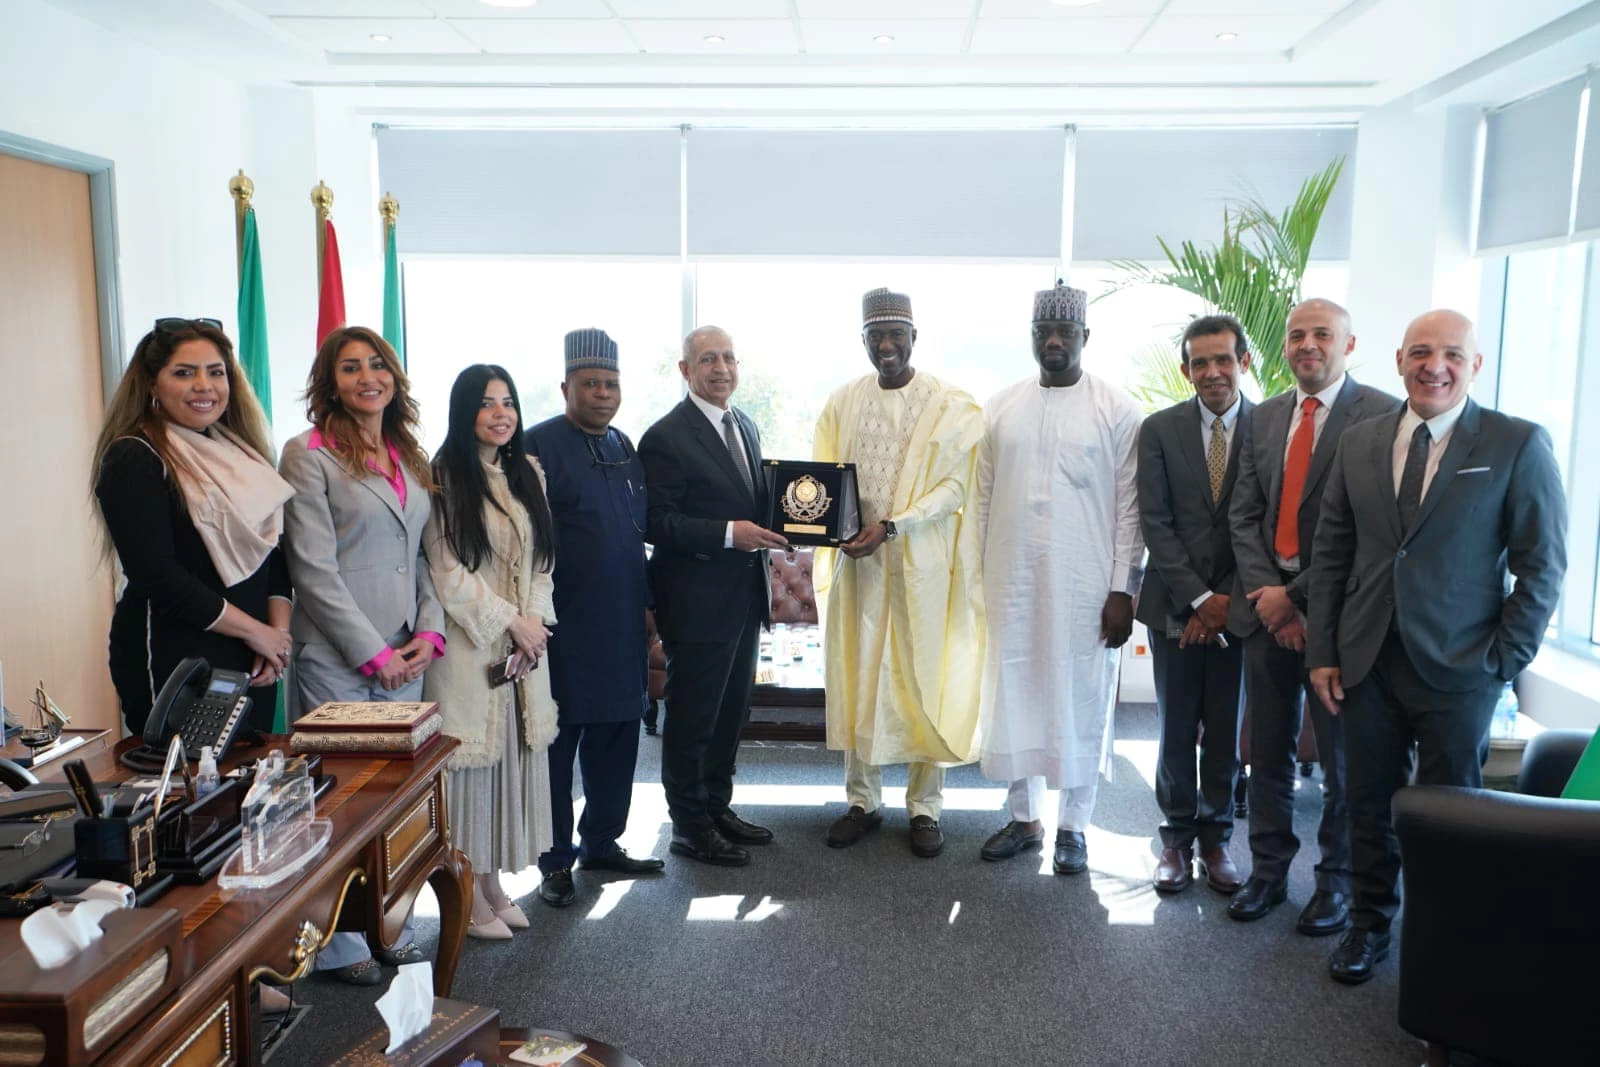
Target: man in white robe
1058	507
903	633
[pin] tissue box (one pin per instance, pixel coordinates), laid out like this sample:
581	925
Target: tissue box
458	1030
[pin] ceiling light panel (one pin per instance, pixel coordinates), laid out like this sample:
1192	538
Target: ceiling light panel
544	9
1250	7
701	9
1176	34
355	35
930	37
739	37
885	9
1046	9
419	9
547	36
1056	36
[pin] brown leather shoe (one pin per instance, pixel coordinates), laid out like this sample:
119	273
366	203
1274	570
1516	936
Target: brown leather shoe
852	826
1220	872
1175	871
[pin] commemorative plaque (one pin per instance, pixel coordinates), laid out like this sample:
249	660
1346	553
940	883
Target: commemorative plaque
813	503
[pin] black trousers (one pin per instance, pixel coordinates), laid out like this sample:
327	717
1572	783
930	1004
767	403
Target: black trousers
708	703
1198	685
606	752
1280	692
1392	718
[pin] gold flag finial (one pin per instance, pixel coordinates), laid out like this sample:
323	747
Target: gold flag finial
242	188
389	208
322	197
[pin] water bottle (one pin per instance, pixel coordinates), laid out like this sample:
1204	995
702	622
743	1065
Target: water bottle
1505	714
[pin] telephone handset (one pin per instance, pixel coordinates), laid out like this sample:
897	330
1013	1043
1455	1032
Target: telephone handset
206	707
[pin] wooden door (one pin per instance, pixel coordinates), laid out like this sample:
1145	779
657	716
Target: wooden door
55	590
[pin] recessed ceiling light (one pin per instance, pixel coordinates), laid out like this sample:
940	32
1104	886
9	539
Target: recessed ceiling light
714	38
884	38
381	38
1227	35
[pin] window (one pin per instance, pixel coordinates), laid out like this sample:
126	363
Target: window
515	313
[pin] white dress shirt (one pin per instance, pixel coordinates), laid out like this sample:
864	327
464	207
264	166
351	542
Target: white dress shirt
714	415
1328	394
1440	428
1208	420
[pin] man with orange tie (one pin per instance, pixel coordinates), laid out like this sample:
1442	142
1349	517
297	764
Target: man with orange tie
1288	447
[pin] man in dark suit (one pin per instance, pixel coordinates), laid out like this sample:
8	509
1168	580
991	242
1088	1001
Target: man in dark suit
708	575
1413	635
1289	442
1188	461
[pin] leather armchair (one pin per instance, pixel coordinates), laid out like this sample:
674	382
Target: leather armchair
1498	944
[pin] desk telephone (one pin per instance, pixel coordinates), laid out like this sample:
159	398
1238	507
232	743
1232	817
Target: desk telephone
206	707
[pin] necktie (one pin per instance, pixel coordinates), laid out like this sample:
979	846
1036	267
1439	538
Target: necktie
1410	499
1287	541
1217	457
736	450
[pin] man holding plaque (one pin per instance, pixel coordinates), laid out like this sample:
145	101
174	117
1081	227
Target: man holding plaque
702	463
903	636
1059	509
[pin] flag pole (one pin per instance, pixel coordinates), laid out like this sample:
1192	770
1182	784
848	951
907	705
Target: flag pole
389	208
322	200
242	190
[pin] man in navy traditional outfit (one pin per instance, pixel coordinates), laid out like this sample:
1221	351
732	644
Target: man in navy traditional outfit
599	670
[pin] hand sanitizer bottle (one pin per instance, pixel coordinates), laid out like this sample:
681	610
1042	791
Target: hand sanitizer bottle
207	779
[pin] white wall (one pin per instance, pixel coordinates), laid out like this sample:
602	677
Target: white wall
176	134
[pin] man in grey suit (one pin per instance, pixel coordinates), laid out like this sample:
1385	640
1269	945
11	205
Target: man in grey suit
1188	461
1289	443
1413	635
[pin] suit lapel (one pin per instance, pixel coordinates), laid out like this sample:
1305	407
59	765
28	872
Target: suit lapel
713	443
1383	469
1462	438
379	486
1328	442
1276	442
1232	471
1189	446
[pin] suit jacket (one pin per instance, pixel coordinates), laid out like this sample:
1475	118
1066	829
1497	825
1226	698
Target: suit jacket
702	591
1253	515
1495	506
1186	532
355	555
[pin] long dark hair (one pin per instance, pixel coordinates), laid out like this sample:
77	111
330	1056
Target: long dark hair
463	490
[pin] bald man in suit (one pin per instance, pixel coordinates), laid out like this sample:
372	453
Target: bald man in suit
1288	447
1413	635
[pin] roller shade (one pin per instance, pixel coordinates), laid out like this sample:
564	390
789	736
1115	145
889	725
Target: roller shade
1528	152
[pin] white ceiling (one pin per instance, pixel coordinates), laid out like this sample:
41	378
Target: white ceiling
867	62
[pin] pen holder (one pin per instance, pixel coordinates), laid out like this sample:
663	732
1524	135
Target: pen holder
122	849
193	840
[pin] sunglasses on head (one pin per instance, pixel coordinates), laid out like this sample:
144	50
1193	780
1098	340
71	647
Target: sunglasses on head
170	324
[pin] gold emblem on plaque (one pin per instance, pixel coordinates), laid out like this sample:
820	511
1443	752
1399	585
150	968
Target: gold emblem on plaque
806	499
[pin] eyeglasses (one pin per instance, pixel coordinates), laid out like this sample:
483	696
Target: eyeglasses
608	464
170	324
34	841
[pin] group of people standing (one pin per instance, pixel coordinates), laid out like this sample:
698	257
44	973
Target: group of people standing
1315	551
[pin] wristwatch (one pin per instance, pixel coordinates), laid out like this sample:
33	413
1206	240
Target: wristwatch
889	530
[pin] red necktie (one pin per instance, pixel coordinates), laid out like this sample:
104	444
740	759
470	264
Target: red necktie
1287	541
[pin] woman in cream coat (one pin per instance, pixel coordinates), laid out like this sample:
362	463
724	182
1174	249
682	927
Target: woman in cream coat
489	549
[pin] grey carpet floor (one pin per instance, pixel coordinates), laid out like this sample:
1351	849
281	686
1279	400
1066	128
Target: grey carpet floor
870	955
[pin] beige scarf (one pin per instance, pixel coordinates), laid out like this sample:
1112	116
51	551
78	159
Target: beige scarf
235	498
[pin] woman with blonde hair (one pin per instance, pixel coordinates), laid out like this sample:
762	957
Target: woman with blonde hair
366	621
183	479
489	546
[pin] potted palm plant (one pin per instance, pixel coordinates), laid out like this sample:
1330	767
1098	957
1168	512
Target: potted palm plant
1254	274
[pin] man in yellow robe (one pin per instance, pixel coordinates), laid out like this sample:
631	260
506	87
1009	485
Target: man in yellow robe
903	624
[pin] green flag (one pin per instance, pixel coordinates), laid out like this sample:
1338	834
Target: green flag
394	312
253	357
253	317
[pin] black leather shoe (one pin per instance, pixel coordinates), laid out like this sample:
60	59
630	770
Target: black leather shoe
556	888
852	826
736	829
1010	839
1358	953
406	953
927	840
1327	912
619	861
708	846
1255	898
1072	853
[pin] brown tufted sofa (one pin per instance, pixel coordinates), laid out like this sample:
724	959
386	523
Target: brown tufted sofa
794	603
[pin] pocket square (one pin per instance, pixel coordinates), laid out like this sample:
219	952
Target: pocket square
1474	470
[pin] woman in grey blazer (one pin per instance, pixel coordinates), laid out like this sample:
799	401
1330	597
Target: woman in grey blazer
366	622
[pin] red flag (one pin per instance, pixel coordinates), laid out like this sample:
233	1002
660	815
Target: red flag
330	302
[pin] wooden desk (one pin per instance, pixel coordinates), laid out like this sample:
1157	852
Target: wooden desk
390	836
